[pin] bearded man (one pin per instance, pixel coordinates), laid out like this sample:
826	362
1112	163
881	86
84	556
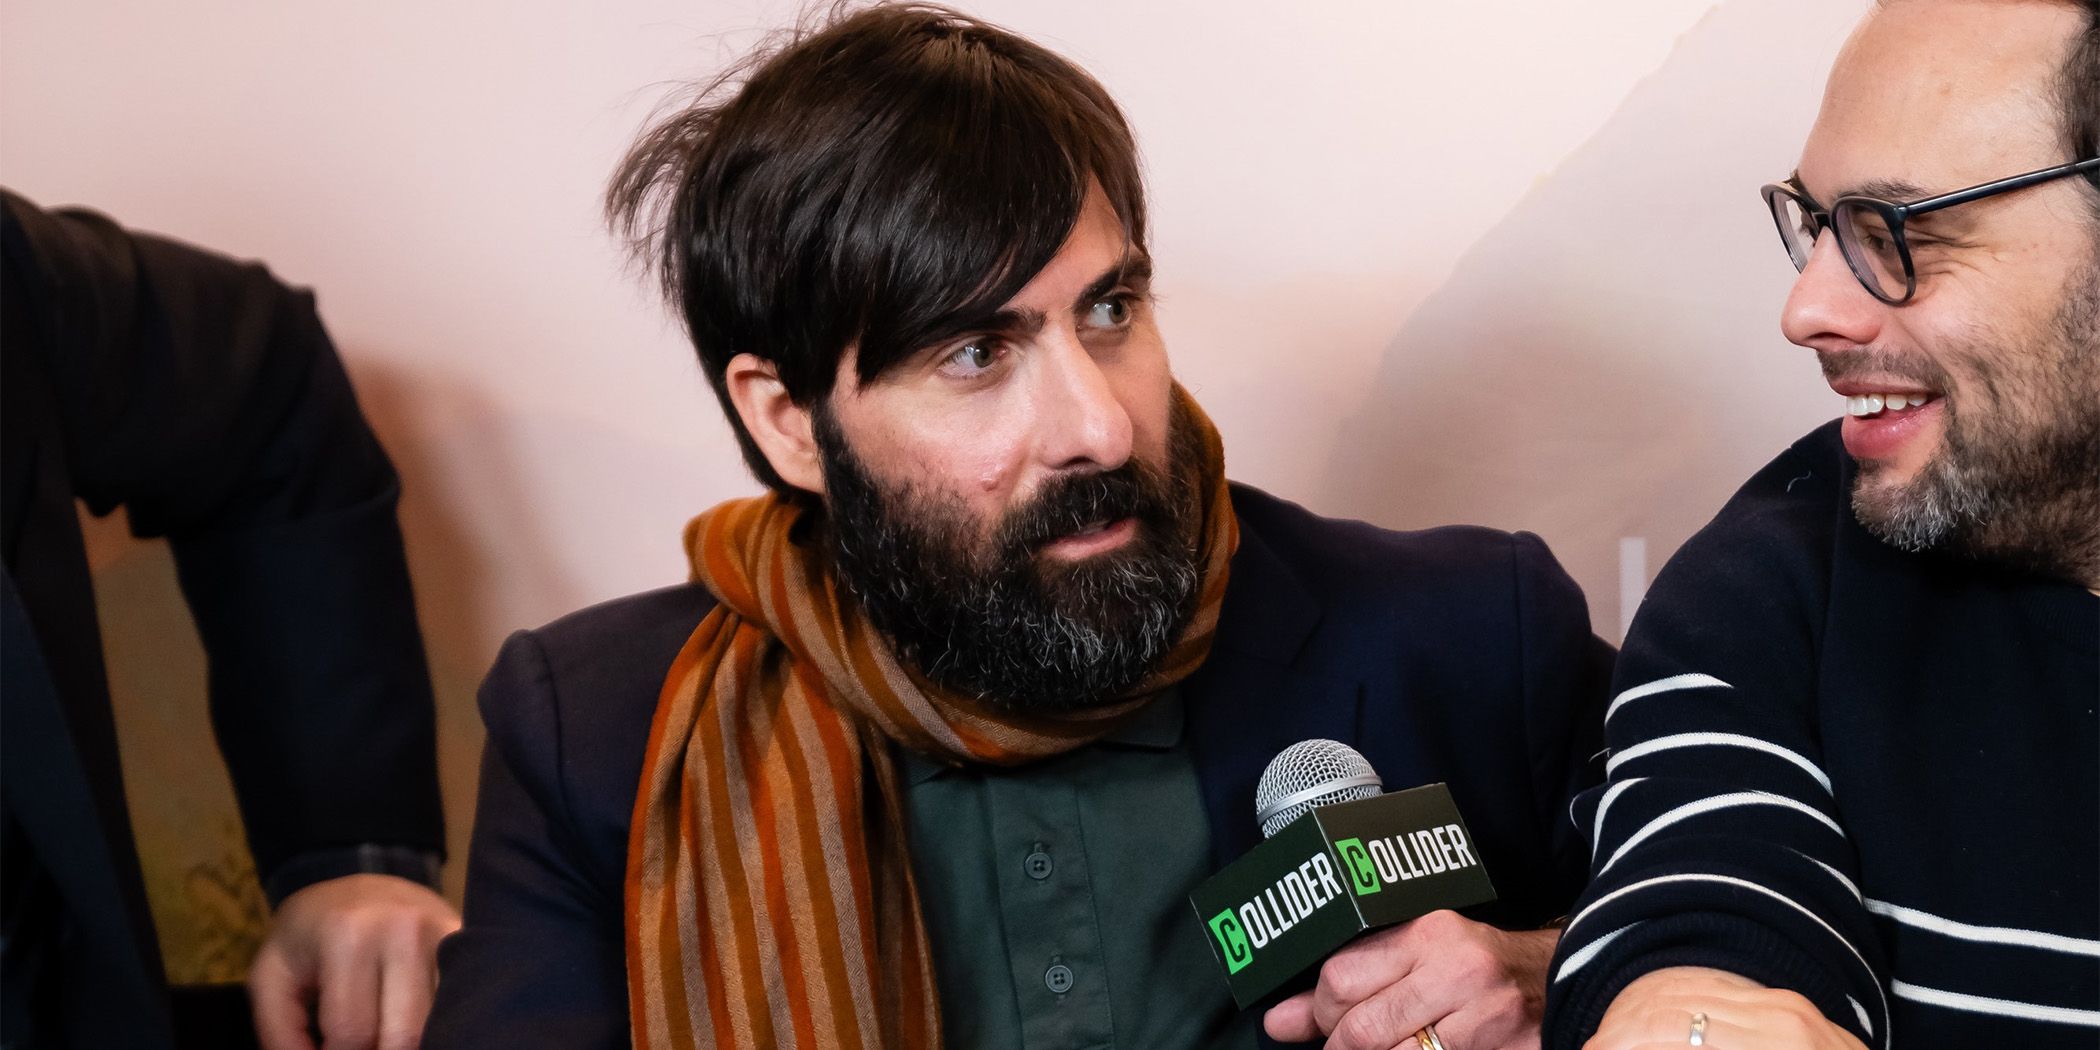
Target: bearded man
947	725
1853	794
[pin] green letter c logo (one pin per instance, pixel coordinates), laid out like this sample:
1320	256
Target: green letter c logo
1356	860
1232	941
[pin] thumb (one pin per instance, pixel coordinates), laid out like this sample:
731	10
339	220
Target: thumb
1290	1021
282	1002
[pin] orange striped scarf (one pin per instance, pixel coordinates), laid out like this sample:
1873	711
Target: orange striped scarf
768	902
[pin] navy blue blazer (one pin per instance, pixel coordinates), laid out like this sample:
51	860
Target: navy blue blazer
1457	654
204	397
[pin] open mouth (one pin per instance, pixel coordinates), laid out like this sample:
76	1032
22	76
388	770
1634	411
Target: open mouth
1093	538
1878	406
1883	425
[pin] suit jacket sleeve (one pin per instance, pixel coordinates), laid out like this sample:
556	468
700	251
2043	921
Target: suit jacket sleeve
203	396
1567	677
539	961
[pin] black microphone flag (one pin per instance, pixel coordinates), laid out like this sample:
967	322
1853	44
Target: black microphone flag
1332	874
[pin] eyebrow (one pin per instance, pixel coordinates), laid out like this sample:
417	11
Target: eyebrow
1898	191
1134	268
1895	191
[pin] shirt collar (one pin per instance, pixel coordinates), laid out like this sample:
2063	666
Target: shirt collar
1156	727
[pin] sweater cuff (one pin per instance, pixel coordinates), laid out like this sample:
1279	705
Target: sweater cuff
1709	940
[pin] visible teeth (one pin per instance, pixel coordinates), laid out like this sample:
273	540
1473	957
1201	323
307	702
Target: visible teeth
1871	404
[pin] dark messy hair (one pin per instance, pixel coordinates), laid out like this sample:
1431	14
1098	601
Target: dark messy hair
2079	86
884	179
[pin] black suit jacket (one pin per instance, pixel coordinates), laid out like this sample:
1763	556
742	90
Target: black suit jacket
1458	654
205	398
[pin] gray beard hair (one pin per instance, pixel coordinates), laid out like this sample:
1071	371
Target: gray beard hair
1048	640
2025	498
989	621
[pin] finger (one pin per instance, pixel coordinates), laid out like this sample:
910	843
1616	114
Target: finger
280	1003
1291	1021
1674	1028
404	993
1385	1020
1489	1023
1361	970
350	991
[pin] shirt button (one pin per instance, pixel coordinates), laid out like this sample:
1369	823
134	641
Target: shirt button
1038	865
1058	978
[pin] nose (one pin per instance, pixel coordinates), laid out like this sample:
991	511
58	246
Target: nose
1082	422
1828	308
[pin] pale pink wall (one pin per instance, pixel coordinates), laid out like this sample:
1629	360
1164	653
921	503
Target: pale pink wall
1499	263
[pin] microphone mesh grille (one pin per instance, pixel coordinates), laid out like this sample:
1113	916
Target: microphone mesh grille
1303	766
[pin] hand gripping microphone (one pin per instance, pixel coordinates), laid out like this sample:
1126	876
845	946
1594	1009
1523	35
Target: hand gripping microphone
1341	857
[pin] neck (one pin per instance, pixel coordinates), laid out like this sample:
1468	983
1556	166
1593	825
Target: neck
2059	538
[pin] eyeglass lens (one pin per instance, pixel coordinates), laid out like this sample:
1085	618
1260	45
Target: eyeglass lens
1797	228
1871	248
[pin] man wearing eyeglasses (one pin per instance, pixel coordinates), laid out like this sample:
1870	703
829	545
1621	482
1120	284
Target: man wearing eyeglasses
1853	797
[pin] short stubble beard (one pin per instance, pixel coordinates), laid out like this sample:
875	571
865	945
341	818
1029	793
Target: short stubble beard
2019	486
991	617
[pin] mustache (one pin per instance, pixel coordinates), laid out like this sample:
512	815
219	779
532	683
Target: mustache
1841	364
1072	502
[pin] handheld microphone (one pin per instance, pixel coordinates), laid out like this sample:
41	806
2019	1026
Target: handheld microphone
1282	908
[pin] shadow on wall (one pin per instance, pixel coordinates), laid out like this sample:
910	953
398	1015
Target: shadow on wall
489	555
453	448
1578	374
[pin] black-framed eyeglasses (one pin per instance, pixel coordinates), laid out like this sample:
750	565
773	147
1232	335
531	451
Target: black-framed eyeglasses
1870	230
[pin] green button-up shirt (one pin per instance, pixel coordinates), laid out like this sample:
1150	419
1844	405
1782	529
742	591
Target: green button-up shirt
1056	897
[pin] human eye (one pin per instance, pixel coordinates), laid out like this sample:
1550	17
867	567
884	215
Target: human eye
1921	241
972	358
1871	234
1110	311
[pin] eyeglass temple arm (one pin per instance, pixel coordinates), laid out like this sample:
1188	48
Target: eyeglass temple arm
2007	185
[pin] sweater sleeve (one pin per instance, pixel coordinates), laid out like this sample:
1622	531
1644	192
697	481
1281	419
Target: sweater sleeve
1716	840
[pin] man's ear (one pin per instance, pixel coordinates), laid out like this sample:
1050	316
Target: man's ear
781	428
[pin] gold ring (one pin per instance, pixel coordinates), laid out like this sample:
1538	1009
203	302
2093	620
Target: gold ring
1699	1029
1427	1040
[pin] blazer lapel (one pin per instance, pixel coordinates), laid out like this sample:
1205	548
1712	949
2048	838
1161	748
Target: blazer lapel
1252	698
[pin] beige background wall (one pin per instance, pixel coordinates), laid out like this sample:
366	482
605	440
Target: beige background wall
1424	262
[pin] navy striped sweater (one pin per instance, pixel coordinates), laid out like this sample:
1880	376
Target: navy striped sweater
1864	775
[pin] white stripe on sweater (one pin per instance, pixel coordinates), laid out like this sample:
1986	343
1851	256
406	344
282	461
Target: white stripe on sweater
1683	740
1733	800
1728	880
1581	957
1663	685
1611	794
2048	942
1981	1004
1861	1013
1850	886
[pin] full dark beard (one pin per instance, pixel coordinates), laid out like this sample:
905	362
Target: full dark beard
2018	485
991	618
